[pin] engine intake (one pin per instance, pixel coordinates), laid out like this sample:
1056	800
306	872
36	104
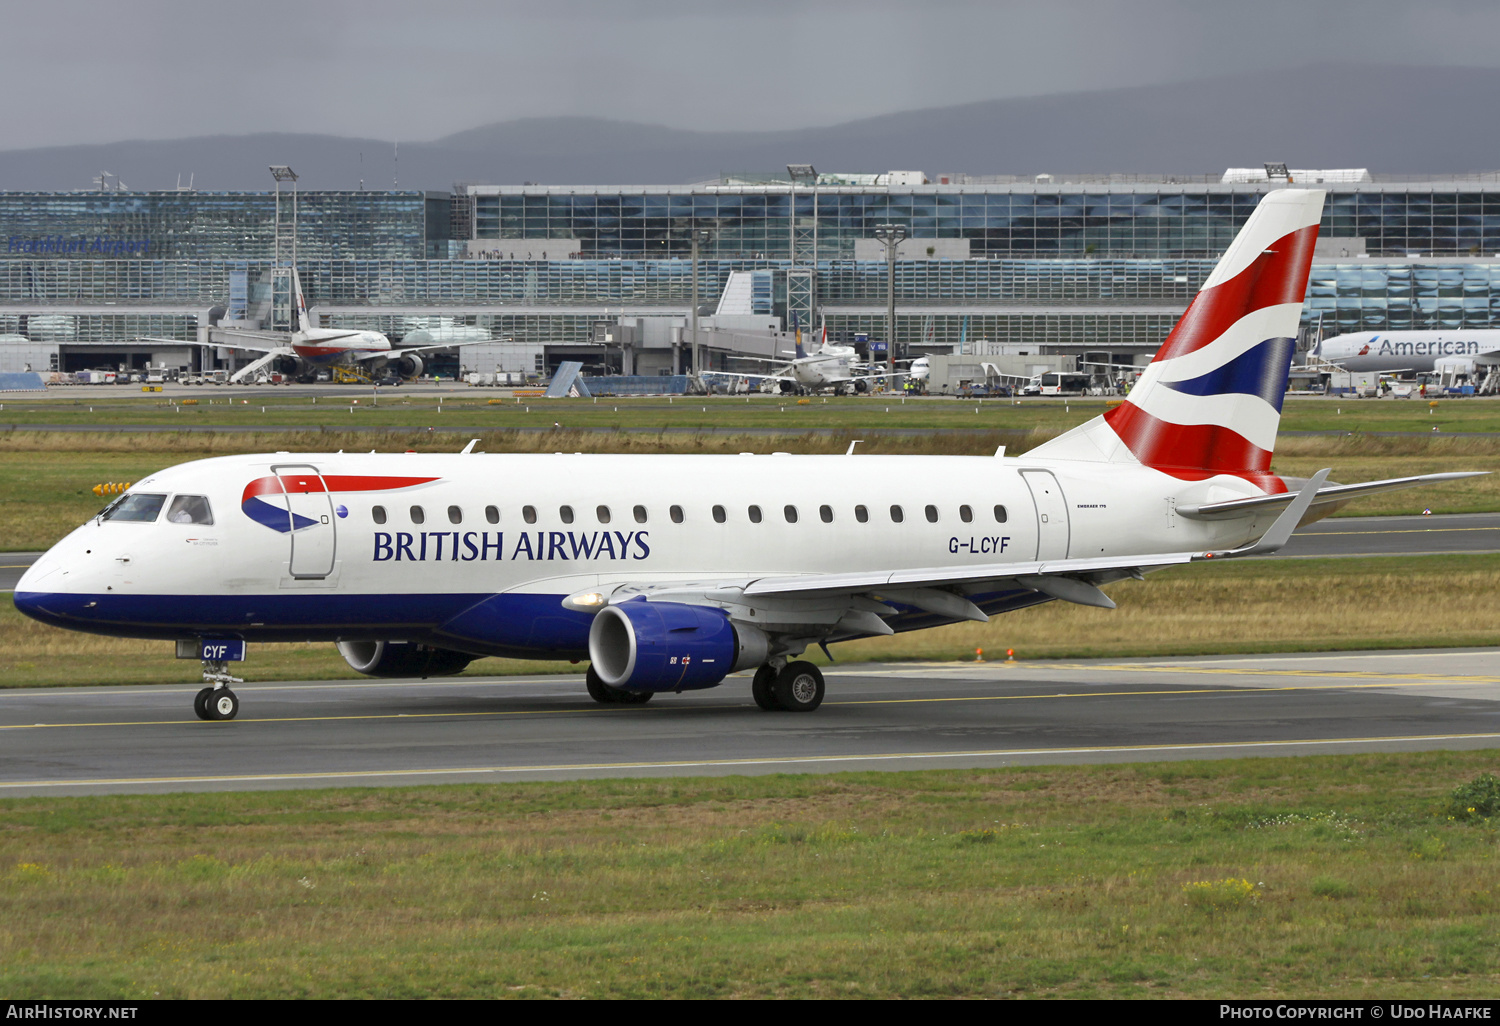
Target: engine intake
408	365
402	659
670	646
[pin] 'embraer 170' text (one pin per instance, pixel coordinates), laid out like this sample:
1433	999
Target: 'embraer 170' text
469	546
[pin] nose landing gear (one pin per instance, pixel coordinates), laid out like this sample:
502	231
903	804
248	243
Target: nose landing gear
216	701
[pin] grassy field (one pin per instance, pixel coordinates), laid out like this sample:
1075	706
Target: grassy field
1257	878
46	477
1247	606
469	409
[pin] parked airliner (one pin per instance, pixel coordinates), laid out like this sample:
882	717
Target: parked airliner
1421	352
813	368
312	348
670	572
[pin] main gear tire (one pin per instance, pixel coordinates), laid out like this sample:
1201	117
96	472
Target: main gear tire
798	687
760	688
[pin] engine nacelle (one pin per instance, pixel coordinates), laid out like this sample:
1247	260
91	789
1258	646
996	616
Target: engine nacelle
402	659
408	365
670	646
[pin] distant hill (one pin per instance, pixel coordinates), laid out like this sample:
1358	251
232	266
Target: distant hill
1387	118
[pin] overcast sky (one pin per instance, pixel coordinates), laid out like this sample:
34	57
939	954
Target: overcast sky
81	71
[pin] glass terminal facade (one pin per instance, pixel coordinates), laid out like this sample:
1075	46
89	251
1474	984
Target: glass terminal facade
998	221
221	225
1087	266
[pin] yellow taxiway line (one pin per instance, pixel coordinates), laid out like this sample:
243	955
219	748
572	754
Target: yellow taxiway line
1402	680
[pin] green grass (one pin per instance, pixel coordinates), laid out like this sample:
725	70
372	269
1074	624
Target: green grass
468	409
1335	876
1206	608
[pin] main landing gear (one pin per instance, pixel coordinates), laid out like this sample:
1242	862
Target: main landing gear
217	702
604	694
796	687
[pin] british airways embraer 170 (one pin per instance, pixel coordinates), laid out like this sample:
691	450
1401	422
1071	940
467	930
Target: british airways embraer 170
670	572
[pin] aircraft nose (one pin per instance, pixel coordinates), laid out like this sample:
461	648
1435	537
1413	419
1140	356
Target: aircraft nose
37	572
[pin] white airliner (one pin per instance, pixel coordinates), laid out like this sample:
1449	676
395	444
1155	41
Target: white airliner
826	365
1421	352
670	572
313	348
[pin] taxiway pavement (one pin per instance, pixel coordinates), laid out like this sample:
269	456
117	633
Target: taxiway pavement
876	717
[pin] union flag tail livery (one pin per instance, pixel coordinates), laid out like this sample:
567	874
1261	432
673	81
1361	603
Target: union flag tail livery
1210	402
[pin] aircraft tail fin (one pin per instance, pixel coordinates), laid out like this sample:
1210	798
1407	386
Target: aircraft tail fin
1210	402
299	304
797	332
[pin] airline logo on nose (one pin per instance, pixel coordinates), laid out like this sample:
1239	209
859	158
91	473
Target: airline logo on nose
279	509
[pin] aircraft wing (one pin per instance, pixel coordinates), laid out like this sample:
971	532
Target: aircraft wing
267	344
1326	494
395	351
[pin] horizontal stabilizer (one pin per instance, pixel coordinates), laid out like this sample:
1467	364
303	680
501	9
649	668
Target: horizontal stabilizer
1326	494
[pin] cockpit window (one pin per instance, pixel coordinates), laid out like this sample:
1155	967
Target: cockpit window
190	509
142	507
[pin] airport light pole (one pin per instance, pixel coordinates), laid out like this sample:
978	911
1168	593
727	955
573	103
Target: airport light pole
283	173
891	235
699	235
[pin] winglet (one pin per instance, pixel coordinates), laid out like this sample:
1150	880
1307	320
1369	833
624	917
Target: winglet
470	447
1285	524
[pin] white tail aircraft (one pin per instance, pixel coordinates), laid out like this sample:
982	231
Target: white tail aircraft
670	572
825	365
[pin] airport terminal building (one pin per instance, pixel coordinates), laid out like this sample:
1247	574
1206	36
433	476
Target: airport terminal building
1097	266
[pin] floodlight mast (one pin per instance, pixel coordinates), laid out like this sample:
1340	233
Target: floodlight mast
803	173
283	173
698	235
891	235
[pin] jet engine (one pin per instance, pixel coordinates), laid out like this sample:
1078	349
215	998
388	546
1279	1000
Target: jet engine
670	646
402	659
407	365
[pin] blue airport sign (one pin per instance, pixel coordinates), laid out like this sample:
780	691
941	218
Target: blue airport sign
877	347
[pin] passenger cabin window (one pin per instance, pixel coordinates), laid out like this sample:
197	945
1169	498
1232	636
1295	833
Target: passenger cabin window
565	513
754	514
492	514
966	514
1000	514
931	512
676	512
719	514
378	514
602	512
190	509
640	514
861	514
528	514
790	512
139	508
417	516
826	513
455	515
897	514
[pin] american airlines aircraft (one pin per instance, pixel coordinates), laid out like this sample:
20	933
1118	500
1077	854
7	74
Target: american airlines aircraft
1459	352
670	572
